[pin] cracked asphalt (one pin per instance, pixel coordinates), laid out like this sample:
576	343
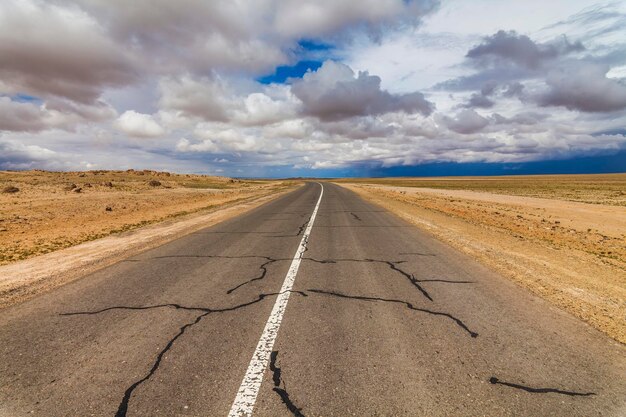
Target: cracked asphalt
383	320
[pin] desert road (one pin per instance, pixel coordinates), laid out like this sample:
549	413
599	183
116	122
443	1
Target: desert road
317	304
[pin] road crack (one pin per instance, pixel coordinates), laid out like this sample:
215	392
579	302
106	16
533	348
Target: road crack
282	392
122	409
299	232
262	275
393	265
402	302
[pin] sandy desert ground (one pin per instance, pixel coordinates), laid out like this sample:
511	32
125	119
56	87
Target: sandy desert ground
41	212
562	237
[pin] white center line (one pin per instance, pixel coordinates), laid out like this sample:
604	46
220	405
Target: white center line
249	389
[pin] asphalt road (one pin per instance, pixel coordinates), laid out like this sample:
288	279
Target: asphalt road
381	320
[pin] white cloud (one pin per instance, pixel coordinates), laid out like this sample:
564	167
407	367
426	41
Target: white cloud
139	125
188	71
205	98
15	155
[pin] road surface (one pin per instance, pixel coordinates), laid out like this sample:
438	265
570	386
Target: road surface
308	305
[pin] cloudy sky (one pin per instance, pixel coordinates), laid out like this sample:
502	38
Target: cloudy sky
321	87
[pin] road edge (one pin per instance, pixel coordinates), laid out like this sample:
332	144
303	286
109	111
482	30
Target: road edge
23	280
487	260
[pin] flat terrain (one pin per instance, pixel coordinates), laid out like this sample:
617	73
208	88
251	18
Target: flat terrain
383	319
54	210
554	239
605	189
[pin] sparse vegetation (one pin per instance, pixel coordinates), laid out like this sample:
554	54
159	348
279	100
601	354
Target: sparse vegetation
595	189
54	210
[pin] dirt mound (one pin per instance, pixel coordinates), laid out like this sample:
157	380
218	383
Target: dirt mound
10	190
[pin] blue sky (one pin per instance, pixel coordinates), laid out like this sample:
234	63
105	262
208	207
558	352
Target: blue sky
314	88
284	73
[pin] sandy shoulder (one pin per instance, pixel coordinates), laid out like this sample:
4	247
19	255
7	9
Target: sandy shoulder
24	279
609	220
572	254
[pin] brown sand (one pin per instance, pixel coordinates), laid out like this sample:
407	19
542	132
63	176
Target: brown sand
46	214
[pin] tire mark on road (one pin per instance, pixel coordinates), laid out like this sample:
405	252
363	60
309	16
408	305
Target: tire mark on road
493	380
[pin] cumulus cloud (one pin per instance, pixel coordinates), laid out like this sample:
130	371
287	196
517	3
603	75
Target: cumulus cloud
15	155
57	114
481	101
253	36
584	87
465	122
552	74
139	125
525	118
15	116
76	49
515	89
520	49
48	50
333	93
293	129
186	75
273	105
491	90
207	98
322	17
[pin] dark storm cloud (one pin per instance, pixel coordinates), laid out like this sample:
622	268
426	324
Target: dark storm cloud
476	81
584	87
465	122
520	49
20	116
526	118
514	89
49	51
333	93
480	101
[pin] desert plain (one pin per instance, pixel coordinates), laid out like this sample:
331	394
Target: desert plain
41	211
56	227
